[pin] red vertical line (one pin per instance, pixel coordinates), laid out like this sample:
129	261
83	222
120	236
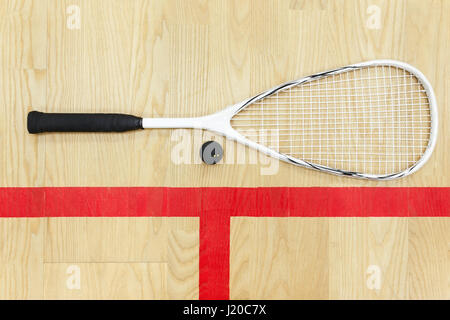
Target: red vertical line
214	262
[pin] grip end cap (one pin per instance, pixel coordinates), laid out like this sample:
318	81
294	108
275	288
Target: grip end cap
32	122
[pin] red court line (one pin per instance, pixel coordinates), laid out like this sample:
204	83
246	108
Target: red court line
214	255
215	207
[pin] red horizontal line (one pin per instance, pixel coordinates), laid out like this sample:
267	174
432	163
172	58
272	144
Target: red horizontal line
191	202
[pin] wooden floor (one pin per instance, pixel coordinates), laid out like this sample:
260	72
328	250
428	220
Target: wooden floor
330	258
271	258
116	258
189	58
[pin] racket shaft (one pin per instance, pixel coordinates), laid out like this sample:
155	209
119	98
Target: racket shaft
172	123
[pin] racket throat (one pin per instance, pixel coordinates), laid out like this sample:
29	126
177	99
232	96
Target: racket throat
218	122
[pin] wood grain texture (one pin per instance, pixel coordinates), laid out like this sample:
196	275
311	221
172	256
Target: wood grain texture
23	61
177	58
21	258
106	281
334	258
356	244
279	258
23	34
106	240
428	259
182	58
183	258
118	258
284	258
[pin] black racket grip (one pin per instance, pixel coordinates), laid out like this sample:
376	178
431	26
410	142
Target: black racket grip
38	122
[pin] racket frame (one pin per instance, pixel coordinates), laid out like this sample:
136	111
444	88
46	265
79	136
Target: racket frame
220	122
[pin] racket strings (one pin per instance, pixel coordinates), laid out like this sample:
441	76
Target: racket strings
374	120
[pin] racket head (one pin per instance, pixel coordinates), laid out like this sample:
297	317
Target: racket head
372	120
